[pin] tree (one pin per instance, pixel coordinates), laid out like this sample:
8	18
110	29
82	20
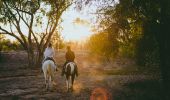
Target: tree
2	37
154	18
158	19
163	38
58	41
32	14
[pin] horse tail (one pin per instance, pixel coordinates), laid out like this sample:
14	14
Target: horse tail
72	68
68	69
49	70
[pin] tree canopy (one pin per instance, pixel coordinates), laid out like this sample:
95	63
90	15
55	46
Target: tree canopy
32	21
143	26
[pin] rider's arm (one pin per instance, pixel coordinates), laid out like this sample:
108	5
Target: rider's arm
45	53
53	53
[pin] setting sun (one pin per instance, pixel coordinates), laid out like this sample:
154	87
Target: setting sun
75	26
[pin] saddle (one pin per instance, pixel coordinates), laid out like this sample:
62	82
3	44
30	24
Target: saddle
49	58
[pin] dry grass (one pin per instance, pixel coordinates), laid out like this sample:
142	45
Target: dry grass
123	83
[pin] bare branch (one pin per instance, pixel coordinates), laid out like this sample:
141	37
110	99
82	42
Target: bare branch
30	28
17	22
11	34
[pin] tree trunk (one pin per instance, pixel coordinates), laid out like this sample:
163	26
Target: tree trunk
39	58
164	41
165	65
31	58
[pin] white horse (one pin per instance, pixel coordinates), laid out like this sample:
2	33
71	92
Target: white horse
49	68
70	75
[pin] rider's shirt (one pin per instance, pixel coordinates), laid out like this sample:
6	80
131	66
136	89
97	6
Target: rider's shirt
70	56
49	52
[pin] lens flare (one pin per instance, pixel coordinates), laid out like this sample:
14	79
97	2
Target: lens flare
100	94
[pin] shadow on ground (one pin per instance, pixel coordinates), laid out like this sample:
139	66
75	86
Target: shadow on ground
18	82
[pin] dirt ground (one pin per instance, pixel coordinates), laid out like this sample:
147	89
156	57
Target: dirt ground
18	82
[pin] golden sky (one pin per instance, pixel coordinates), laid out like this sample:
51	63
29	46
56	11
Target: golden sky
76	25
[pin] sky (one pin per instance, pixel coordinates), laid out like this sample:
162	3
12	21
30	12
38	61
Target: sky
80	31
76	25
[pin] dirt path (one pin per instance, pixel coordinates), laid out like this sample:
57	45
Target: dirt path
18	82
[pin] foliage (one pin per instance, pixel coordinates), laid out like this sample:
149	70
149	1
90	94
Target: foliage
32	15
57	41
128	24
99	44
7	45
151	45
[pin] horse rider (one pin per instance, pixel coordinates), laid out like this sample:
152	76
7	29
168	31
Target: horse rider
49	53
69	56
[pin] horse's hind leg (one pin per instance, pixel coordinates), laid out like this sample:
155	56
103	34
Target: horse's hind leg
46	86
46	81
67	83
72	81
52	81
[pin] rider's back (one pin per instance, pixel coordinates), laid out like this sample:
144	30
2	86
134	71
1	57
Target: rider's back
49	52
70	56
